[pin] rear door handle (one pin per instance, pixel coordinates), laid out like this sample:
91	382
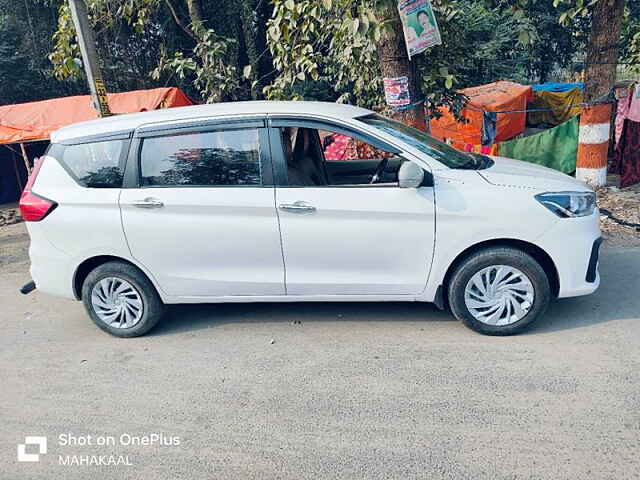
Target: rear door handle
148	203
297	207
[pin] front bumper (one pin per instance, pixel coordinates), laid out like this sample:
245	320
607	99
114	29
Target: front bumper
592	269
573	244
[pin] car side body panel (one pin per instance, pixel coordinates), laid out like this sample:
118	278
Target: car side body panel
85	224
471	211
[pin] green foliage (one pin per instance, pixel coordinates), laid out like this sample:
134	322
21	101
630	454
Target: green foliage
15	77
573	9
630	53
25	39
108	14
215	80
332	41
478	47
66	54
483	41
284	49
164	43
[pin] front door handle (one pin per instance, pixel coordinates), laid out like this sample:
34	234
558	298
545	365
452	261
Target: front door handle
297	207
147	203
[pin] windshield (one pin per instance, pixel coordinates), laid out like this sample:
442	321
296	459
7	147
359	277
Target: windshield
424	142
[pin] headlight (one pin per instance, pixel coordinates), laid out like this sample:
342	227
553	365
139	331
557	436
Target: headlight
569	204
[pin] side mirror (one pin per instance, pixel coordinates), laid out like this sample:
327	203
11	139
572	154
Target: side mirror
410	175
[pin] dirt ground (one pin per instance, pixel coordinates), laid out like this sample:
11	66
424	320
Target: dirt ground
14	248
624	206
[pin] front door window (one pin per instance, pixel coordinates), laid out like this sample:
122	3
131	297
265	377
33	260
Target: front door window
321	157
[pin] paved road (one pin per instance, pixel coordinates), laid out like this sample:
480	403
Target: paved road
355	391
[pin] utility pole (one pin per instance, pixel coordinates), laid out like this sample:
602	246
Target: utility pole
90	57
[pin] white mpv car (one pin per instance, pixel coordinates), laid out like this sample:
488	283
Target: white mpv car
299	201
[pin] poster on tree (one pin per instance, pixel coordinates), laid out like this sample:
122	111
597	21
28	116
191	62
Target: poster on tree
419	25
396	91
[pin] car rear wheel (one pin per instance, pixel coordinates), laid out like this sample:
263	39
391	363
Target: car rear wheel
499	291
121	300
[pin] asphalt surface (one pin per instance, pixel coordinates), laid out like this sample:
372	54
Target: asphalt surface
355	391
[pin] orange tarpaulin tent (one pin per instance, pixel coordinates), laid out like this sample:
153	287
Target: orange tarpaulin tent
494	97
36	120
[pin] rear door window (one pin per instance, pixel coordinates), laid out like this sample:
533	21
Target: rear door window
96	164
217	158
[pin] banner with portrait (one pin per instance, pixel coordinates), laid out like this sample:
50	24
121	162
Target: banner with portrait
419	25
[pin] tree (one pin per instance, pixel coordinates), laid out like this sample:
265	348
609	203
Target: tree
200	45
16	78
603	46
394	62
333	41
25	39
353	46
335	50
630	43
601	65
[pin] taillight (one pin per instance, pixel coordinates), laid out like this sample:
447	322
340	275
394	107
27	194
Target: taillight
33	207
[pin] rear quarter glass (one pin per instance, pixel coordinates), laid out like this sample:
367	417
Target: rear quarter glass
97	164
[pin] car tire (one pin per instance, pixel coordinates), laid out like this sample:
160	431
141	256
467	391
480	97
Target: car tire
524	274
136	291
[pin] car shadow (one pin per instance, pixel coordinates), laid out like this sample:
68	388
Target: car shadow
616	299
183	318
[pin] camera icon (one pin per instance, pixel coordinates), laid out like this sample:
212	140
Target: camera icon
23	456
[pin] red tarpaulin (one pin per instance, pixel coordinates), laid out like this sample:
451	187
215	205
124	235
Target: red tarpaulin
26	122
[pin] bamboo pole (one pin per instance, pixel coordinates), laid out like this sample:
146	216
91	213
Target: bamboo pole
25	158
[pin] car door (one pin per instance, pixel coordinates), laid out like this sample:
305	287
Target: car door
199	210
356	239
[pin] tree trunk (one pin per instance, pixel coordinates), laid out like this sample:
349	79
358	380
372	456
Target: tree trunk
249	35
394	62
254	16
603	48
195	14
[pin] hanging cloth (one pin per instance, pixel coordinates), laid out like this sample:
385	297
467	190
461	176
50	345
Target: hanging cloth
624	99
626	160
634	104
554	107
489	128
555	148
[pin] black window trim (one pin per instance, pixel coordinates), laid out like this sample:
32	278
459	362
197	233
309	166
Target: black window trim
133	173
199	125
97	138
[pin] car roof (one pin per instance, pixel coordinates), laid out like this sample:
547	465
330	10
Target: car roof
132	121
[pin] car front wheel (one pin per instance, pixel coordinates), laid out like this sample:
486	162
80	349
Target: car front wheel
121	300
499	291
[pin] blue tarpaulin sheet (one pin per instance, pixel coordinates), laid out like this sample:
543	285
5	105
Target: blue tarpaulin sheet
556	87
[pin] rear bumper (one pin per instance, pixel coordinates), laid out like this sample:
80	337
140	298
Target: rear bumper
51	269
574	245
28	287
